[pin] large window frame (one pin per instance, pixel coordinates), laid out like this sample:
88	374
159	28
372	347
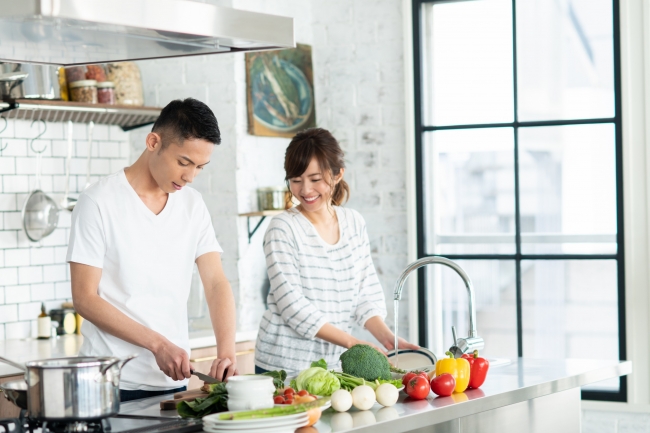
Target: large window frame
421	129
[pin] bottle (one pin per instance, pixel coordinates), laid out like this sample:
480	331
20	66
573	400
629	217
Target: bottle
44	324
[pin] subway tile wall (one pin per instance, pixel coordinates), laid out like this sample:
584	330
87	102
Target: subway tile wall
32	273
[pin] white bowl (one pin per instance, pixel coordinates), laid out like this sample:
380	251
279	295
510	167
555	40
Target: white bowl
250	392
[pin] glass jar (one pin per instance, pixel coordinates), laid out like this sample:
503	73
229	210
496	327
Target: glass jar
63	84
128	83
83	91
75	73
95	72
106	93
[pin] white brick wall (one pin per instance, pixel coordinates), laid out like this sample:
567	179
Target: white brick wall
357	55
31	273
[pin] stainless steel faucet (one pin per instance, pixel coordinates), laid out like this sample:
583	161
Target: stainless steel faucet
461	345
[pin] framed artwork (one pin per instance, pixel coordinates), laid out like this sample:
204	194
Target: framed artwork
280	91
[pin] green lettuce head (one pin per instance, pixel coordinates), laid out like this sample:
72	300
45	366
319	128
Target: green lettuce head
317	381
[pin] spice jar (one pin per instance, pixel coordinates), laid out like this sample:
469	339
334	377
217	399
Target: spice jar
95	72
128	83
83	91
106	93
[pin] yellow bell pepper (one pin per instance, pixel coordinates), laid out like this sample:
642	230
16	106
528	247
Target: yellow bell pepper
458	368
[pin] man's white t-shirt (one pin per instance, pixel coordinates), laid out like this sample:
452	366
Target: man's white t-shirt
146	261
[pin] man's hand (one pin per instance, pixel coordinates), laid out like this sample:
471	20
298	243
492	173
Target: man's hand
223	368
172	360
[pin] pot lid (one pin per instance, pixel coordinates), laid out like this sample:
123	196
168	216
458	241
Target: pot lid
72	362
71	32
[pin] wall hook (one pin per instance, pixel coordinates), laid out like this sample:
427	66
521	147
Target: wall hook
31	144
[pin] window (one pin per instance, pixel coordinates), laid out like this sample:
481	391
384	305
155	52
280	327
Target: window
518	147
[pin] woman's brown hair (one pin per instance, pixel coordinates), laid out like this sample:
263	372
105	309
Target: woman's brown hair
317	143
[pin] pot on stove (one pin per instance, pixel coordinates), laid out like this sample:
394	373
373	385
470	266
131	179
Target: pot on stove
63	389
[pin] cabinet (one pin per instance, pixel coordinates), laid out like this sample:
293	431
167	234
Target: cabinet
7	408
202	359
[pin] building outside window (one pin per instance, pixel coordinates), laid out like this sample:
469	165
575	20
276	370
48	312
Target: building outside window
518	143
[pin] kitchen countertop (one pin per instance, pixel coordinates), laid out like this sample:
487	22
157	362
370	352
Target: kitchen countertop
524	379
30	349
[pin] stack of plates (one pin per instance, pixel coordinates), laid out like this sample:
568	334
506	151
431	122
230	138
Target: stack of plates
278	424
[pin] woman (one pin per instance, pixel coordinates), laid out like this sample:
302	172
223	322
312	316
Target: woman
318	261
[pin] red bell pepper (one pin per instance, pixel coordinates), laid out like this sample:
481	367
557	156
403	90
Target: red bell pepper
478	369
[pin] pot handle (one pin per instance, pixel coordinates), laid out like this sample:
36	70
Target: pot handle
13	76
120	362
14	364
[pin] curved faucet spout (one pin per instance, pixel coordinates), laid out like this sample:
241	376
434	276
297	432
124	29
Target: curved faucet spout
453	265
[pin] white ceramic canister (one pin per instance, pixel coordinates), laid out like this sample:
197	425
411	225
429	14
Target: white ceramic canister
250	392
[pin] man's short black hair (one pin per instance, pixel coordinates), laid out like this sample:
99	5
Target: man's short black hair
187	119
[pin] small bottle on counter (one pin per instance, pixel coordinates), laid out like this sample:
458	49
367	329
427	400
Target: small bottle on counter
44	324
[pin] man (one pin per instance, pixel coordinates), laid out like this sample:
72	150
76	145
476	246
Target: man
134	240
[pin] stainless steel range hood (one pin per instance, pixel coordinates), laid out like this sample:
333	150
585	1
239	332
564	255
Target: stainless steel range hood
69	32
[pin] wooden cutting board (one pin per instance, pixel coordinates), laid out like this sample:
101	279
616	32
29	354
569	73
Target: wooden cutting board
190	395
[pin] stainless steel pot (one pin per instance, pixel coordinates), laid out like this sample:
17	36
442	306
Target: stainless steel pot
42	81
16	392
273	198
11	81
65	389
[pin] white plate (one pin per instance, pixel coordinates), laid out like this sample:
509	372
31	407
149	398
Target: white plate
260	428
213	420
283	429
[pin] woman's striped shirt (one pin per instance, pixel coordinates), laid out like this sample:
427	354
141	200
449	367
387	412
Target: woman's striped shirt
313	283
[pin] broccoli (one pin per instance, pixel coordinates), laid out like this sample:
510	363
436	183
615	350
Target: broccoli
364	361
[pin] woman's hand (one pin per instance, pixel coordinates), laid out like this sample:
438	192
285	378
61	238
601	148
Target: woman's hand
385	336
402	343
377	348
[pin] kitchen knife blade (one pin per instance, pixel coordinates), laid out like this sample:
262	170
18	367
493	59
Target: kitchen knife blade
204	377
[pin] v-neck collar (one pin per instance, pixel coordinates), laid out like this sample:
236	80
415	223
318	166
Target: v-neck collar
315	231
145	210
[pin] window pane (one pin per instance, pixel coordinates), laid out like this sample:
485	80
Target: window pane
570	310
496	308
468	58
568	189
469	180
565	59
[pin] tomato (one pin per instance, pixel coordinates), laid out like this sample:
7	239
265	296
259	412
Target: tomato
418	388
278	399
408	376
411	374
303	393
288	400
443	385
289	391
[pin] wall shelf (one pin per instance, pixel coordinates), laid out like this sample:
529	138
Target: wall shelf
126	117
263	214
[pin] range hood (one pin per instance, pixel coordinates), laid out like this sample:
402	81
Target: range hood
71	32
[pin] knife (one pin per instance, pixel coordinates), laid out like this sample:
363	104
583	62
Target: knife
204	377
